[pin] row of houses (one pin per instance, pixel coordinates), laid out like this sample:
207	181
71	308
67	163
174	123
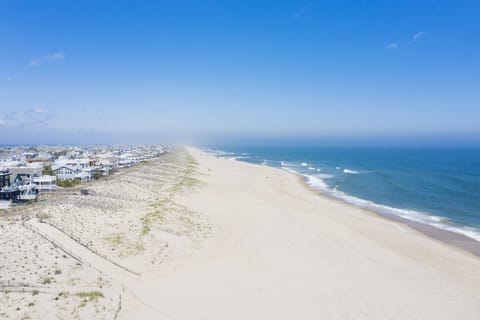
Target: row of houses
43	170
86	169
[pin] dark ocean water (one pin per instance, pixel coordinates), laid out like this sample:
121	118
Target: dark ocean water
439	187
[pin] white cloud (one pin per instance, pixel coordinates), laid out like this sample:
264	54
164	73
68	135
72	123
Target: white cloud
40	110
37	112
418	35
54	56
393	45
2	122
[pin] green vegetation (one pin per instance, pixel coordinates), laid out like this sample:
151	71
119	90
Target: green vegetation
126	247
46	280
152	217
116	239
162	203
60	153
163	207
184	183
68	183
187	180
191	160
98	175
88	297
47	171
146	230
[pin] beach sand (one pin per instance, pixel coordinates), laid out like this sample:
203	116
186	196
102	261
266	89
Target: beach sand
281	251
200	237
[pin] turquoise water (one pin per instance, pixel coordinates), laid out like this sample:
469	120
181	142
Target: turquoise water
439	187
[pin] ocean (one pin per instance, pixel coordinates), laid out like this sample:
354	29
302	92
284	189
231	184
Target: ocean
434	186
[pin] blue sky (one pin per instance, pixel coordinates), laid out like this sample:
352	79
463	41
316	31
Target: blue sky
199	71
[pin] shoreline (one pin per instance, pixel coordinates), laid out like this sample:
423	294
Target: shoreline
455	239
279	243
451	238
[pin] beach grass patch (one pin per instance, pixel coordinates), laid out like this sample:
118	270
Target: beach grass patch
145	230
123	245
86	297
90	295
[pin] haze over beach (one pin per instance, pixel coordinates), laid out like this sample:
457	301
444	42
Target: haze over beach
240	159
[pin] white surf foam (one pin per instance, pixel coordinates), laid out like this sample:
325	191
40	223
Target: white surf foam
288	164
317	181
221	153
350	171
290	170
442	223
238	157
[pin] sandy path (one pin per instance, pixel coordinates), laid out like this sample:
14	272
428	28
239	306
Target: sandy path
118	274
86	255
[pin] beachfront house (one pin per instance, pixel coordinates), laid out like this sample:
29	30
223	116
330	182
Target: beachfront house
106	162
7	193
83	169
4	178
24	174
45	183
107	165
65	172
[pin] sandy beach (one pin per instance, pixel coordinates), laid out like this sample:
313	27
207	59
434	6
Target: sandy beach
282	251
240	160
192	236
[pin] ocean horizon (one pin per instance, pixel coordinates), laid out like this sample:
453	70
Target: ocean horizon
439	187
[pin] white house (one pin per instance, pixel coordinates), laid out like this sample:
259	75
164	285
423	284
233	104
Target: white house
64	172
83	169
45	183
